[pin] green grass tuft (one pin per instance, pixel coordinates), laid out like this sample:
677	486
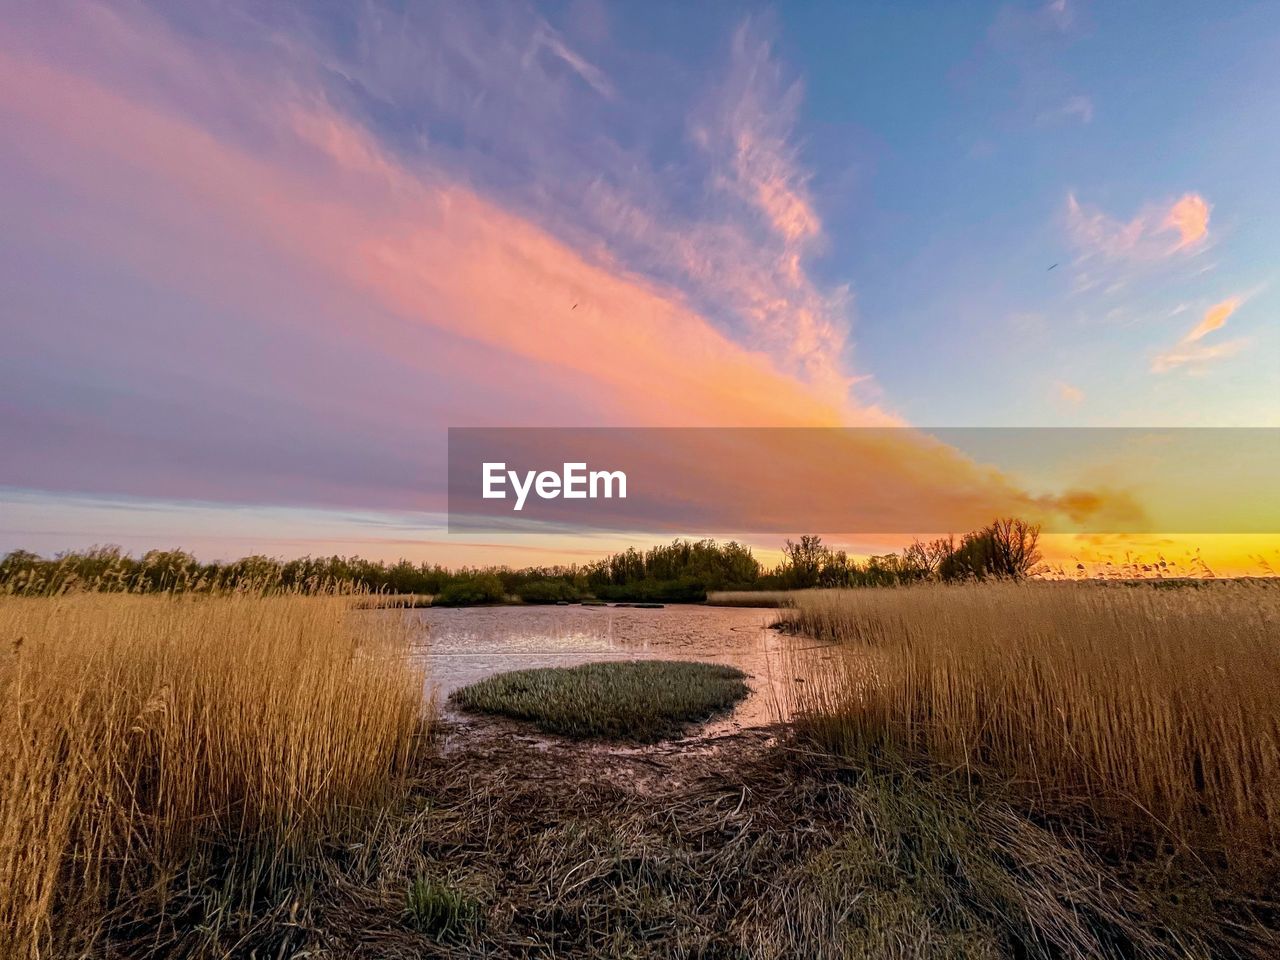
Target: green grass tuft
643	700
440	910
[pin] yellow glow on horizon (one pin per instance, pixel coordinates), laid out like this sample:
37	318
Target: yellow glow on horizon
1222	555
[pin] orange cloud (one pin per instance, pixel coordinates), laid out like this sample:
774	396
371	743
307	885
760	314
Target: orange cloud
1214	318
1068	393
1190	217
1196	355
1190	352
431	251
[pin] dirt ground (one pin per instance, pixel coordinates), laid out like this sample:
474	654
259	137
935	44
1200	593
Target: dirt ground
735	846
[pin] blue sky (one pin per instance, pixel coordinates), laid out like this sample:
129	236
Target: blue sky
970	150
260	257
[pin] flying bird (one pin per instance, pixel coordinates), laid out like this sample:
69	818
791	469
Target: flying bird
1051	268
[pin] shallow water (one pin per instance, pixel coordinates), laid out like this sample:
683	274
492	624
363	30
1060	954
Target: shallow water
462	645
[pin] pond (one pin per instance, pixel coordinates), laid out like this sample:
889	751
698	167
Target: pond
465	644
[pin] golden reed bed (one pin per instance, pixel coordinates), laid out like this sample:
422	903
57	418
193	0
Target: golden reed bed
1153	707
150	744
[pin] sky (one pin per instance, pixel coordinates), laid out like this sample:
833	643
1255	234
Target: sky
258	258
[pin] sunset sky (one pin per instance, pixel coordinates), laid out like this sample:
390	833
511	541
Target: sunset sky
257	258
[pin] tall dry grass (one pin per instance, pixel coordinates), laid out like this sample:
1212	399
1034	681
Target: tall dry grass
1156	708
768	599
186	760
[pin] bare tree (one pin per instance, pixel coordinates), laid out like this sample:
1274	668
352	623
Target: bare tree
1013	547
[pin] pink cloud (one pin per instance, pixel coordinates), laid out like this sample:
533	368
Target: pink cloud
1144	237
759	110
432	302
323	214
427	249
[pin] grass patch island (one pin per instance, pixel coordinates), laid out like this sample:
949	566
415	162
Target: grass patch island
642	700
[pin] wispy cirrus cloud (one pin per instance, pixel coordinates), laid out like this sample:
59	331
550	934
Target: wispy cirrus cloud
756	127
746	131
545	38
1145	237
1191	352
1078	108
738	232
1195	355
730	220
741	250
1060	13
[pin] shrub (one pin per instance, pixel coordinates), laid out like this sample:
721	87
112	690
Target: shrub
683	590
547	591
471	591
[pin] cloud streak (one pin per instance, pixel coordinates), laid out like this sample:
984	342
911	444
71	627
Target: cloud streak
1190	352
545	38
1213	319
1078	108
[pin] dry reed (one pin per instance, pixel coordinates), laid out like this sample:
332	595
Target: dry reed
167	758
1157	708
768	599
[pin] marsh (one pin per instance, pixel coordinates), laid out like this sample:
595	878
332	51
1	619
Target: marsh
284	776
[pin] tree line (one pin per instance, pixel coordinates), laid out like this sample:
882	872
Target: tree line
1005	549
683	570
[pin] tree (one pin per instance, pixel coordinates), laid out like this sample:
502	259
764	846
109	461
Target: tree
803	561
1005	549
1013	547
